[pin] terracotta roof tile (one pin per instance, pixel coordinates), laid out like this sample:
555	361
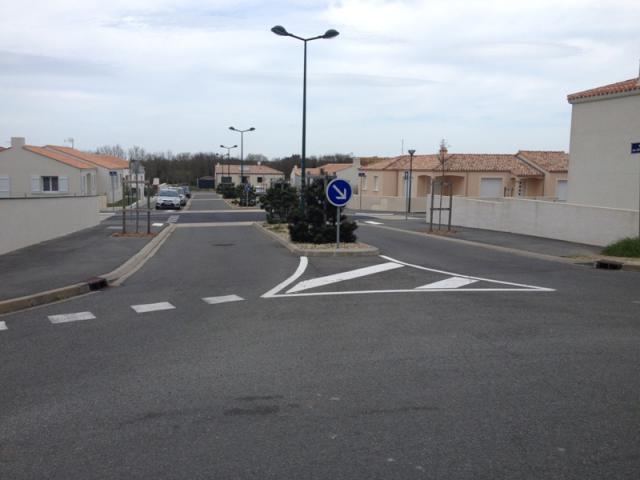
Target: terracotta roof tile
60	157
106	161
248	170
630	85
461	162
554	162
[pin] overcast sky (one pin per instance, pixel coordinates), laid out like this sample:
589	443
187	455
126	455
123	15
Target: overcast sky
489	76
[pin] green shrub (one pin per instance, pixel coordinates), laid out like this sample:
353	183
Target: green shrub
627	247
317	223
279	202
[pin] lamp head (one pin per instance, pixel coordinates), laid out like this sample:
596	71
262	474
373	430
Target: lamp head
280	30
231	128
251	129
331	33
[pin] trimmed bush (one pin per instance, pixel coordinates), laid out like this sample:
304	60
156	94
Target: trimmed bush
279	201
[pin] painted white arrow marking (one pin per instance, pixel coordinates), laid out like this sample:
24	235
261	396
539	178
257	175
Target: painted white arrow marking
453	282
342	194
341	277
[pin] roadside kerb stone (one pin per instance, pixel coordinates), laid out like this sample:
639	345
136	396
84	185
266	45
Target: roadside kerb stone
364	251
112	278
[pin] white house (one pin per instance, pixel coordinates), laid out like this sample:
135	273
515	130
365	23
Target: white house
345	171
260	176
29	171
605	121
110	171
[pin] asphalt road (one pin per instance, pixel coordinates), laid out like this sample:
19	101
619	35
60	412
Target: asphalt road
472	364
207	201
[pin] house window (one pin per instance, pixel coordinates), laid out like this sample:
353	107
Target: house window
259	179
375	183
364	183
49	184
225	180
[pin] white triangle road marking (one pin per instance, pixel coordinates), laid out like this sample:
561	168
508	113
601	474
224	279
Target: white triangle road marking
341	277
71	317
3	326
453	282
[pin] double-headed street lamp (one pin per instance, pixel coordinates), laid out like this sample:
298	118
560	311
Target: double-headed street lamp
228	159
242	132
280	30
409	181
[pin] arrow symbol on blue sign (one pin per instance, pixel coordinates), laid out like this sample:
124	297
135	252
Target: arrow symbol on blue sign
342	194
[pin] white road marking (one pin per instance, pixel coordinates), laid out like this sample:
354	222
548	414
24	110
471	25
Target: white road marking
173	218
157	224
114	228
71	317
3	326
521	285
223	299
371	222
152	307
453	282
302	266
341	277
364	214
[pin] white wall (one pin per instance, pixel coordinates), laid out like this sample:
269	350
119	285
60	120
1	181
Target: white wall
386	204
26	221
558	220
602	170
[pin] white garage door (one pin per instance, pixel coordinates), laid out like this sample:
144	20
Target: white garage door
491	187
561	190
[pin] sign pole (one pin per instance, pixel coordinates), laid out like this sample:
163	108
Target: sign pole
338	229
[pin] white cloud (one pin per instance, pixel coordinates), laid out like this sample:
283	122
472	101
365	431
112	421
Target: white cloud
485	74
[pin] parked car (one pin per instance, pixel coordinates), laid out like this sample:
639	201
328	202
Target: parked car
168	198
187	190
183	196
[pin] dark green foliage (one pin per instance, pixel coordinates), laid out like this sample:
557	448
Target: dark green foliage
279	201
317	224
246	198
227	190
627	247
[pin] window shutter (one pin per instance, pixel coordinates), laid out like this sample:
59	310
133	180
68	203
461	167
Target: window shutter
5	187
63	184
35	183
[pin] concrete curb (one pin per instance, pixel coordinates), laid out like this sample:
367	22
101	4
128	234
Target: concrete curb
368	251
112	278
525	253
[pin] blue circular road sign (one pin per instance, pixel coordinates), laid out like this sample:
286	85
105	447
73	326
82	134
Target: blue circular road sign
338	192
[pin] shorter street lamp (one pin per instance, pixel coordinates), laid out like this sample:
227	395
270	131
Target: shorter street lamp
242	132
409	181
228	159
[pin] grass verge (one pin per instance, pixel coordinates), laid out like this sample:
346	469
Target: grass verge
627	247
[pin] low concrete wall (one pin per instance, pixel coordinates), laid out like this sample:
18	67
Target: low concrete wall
562	221
387	204
26	221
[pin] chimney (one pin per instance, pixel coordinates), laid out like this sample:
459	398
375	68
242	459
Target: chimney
17	142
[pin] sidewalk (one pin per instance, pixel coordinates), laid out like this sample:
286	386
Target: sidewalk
66	260
568	251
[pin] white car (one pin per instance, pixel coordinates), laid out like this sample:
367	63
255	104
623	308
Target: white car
168	198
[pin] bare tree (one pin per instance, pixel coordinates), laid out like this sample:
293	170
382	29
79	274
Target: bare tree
113	150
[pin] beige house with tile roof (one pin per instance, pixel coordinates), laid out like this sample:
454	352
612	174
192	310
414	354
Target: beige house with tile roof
470	175
28	171
260	176
605	121
346	171
111	171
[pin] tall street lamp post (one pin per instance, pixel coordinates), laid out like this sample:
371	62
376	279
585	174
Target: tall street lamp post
411	154
280	30
228	159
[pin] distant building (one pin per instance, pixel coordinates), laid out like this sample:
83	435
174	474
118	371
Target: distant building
604	123
533	174
259	176
345	171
